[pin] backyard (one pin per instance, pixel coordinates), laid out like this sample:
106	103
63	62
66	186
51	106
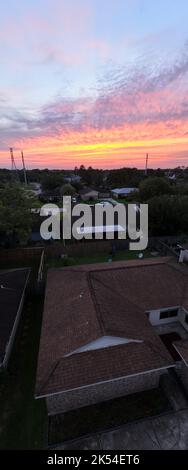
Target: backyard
23	420
103	257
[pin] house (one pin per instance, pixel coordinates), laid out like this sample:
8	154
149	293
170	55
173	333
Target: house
103	227
122	192
104	193
100	335
13	285
72	178
35	188
88	194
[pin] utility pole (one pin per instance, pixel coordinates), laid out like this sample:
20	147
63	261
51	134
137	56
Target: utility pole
14	170
24	170
146	169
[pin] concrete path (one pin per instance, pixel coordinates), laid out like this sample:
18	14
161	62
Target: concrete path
174	390
167	432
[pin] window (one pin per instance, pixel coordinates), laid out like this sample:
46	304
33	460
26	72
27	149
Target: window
169	313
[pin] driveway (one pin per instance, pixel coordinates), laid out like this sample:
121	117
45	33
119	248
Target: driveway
166	432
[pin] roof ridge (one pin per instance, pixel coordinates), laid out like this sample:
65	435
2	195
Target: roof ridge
128	266
96	304
114	293
117	293
50	374
155	349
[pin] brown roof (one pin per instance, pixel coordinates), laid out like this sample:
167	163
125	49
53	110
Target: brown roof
87	191
83	303
182	347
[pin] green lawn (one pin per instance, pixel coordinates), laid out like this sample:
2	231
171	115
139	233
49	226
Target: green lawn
23	420
106	415
95	258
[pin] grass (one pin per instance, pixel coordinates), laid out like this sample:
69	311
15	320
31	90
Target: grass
23	420
95	258
103	416
90	202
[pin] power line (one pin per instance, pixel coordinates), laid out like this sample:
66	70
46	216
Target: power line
14	171
24	169
146	168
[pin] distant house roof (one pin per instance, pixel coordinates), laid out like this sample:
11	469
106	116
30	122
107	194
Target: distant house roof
100	229
87	191
72	177
105	300
12	285
121	191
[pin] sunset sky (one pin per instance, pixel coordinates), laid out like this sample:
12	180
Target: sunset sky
94	82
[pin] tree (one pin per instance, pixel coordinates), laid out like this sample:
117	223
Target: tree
123	177
52	181
154	186
168	215
67	190
15	212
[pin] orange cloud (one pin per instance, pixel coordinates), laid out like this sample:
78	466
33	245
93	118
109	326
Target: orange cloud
130	114
109	148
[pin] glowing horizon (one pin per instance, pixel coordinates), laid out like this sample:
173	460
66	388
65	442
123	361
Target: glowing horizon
96	85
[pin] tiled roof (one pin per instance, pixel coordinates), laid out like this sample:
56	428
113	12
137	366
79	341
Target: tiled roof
87	191
83	303
124	190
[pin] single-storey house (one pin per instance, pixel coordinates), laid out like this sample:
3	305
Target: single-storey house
72	178
122	192
103	227
13	285
88	194
100	336
104	194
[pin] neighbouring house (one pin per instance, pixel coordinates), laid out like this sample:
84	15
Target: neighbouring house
35	188
50	197
13	285
122	192
72	178
104	194
183	254
170	175
102	227
88	194
102	332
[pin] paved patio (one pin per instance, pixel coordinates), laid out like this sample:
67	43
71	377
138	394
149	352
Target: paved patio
167	432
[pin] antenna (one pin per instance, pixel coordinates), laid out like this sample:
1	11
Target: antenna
24	170
14	170
146	169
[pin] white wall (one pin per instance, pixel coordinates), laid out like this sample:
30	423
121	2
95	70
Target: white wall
182	315
154	316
